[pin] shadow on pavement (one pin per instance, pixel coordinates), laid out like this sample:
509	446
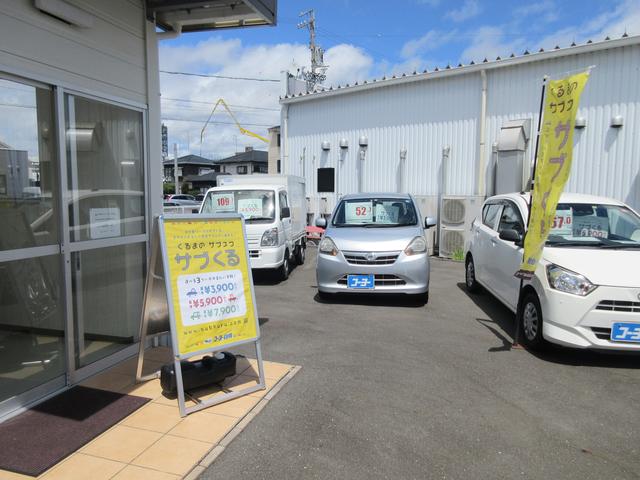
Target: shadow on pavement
268	277
501	322
377	300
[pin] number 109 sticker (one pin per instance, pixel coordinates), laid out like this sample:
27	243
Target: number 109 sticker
209	297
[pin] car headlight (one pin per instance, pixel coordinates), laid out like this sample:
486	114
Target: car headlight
328	247
416	246
269	238
568	281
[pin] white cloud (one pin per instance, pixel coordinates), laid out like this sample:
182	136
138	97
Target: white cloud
431	3
231	58
491	42
469	9
431	40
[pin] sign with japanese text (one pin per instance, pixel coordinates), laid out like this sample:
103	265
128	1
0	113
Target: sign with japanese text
553	164
210	283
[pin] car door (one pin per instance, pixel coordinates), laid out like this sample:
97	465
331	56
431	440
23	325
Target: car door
286	222
484	232
508	256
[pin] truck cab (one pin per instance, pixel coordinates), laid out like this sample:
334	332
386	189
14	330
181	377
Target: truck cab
274	209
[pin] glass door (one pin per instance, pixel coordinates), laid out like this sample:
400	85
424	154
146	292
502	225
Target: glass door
32	302
105	228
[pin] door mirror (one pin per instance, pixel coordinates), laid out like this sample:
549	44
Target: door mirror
321	222
285	212
510	235
429	222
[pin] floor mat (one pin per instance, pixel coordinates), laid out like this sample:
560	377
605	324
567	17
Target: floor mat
37	439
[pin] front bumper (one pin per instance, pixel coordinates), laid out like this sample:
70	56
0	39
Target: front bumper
266	257
408	274
586	322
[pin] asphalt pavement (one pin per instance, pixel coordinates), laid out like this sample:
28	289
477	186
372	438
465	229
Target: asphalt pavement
393	389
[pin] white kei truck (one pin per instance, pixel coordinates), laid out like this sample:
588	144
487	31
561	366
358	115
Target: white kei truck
275	212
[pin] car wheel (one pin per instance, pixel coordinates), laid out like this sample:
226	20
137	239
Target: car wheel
285	267
470	276
530	319
300	254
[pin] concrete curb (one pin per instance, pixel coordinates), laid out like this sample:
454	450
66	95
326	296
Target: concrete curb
215	452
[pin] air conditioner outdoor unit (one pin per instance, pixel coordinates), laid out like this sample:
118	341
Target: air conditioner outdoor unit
456	215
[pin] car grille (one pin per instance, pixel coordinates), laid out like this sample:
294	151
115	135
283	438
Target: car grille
380	258
254	253
380	281
619	306
601	333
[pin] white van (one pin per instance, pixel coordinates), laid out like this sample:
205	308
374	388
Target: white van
275	212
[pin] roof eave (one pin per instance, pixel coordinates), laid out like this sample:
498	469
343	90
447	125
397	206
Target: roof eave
529	58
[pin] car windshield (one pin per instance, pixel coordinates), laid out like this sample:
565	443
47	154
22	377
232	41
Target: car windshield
375	212
255	205
594	225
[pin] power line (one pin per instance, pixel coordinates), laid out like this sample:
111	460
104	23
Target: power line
206	75
215	123
211	103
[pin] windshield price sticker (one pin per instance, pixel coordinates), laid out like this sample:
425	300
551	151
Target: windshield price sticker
211	297
250	207
387	213
562	223
358	212
223	202
590	226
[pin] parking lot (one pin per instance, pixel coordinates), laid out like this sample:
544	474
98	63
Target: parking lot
393	389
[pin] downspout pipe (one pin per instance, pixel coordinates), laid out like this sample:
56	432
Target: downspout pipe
483	126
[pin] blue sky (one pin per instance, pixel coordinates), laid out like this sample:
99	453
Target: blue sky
362	39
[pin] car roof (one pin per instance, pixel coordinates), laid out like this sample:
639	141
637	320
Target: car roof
357	196
565	197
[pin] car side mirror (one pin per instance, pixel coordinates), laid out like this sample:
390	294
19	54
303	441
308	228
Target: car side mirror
285	212
321	222
429	222
511	235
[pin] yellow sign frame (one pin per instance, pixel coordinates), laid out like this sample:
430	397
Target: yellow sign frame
218	246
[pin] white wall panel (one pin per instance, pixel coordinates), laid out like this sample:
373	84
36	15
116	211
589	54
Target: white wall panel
108	57
425	115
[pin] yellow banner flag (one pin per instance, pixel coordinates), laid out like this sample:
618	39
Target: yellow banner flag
553	164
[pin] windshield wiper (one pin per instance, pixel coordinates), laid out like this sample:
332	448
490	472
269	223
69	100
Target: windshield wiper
614	246
258	218
574	243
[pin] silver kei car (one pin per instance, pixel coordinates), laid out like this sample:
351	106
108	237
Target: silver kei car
374	243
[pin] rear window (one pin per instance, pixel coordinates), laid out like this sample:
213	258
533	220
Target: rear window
382	212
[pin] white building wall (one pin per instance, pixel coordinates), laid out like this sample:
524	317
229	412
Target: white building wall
108	58
425	115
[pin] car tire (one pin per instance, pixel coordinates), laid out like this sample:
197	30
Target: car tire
300	254
530	322
283	271
470	275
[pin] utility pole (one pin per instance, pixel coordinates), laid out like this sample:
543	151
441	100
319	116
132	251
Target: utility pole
175	169
318	68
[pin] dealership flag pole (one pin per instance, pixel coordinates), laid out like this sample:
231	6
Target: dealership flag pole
516	337
551	170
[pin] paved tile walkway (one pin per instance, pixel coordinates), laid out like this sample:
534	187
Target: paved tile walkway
154	442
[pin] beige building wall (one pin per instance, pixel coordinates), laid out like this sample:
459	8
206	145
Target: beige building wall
274	149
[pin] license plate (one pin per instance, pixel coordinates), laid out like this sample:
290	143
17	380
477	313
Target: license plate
360	281
625	332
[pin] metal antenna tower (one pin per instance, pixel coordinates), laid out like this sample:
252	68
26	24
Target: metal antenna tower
318	68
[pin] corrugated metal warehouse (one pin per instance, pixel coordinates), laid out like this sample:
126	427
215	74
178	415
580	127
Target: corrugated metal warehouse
453	136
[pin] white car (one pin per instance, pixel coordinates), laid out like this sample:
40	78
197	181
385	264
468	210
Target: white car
586	289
